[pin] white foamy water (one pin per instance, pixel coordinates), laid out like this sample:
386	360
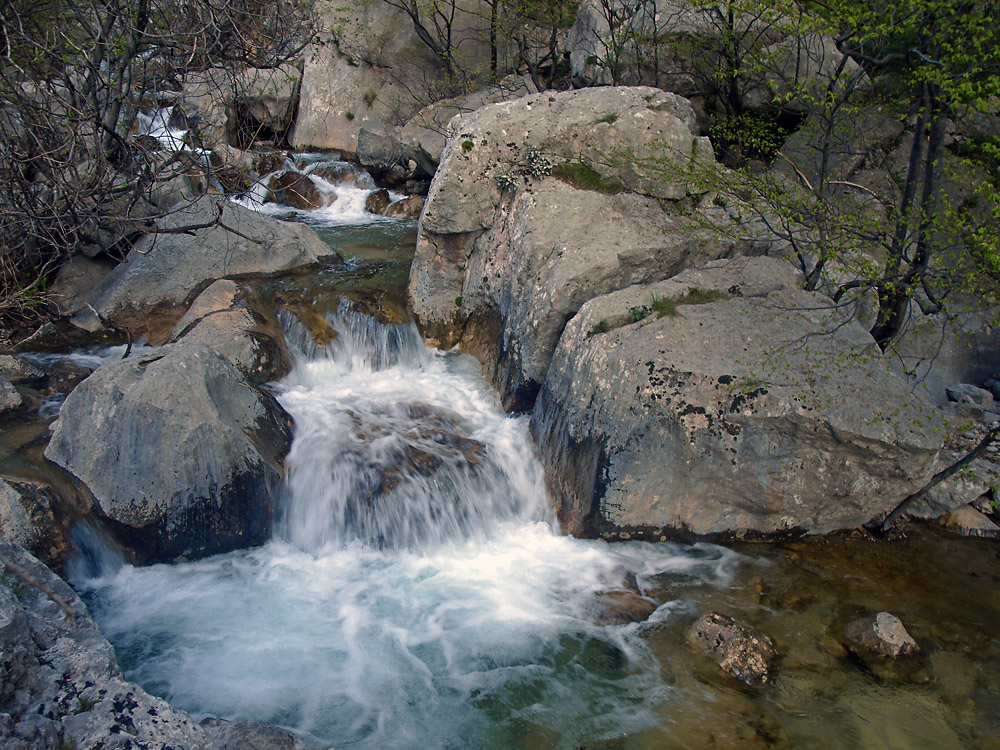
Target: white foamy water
416	593
347	208
157	125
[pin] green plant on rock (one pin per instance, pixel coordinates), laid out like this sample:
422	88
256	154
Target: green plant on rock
602	326
664	306
583	177
637	313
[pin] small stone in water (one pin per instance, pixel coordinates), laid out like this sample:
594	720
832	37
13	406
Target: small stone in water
740	649
882	634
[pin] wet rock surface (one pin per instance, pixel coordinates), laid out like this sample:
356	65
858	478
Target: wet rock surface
61	686
741	650
10	399
880	634
205	480
298	191
32	517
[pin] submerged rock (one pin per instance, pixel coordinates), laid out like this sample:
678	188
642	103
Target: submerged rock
250	735
622	607
10	399
880	635
188	458
741	650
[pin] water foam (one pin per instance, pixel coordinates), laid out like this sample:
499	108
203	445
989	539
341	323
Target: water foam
433	607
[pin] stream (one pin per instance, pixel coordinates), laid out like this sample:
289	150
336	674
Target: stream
416	592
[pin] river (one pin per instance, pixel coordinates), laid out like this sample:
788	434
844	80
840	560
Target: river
416	592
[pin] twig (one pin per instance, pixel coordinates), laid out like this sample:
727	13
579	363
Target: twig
40	585
945	473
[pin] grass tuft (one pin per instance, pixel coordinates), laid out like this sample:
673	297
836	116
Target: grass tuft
583	177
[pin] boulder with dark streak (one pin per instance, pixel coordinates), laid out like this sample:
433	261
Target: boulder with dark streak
188	458
298	191
149	292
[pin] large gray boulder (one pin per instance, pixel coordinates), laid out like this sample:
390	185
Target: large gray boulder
370	70
183	456
226	319
763	411
506	254
425	134
220	103
162	275
553	249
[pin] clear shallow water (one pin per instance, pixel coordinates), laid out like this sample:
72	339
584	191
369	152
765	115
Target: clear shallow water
417	593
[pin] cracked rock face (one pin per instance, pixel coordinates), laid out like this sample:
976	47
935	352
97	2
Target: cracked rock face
740	650
61	686
759	411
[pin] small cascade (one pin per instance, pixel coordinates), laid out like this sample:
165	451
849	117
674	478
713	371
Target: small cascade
413	463
416	592
158	125
97	554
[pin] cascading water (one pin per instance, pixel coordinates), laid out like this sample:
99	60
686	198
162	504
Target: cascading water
416	593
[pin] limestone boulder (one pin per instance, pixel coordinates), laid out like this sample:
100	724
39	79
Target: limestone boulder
501	238
408	208
879	635
10	399
76	280
59	677
551	250
968	521
149	292
227	108
377	201
225	318
188	458
299	191
424	135
18	369
32	516
740	415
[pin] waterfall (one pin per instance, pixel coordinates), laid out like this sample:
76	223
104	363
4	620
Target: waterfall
392	450
416	592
